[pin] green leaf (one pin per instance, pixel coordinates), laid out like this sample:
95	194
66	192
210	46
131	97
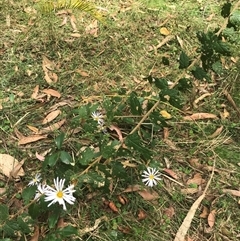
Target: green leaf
28	193
68	231
184	61
165	60
51	160
134	142
184	84
59	140
4	213
54	216
222	48
135	105
10	228
118	170
65	157
24	226
34	210
217	67
226	9
160	83
157	120
235	18
109	149
171	96
87	156
199	73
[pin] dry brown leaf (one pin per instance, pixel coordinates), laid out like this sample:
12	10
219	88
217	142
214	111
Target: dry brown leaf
133	188
169	212
217	132
96	224
145	194
35	92
128	164
232	192
211	218
51	116
197	179
64	22
182	231
92	28
53	76
124	229
63	12
202	97
200	116
164	31
171	144
225	114
148	195
205	212
47	64
189	190
39	157
47	78
113	207
52	92
165	132
119	133
59	104
18	134
61	223
73	22
141	215
35	234
75	35
53	127
122	199
33	128
2	190
171	173
30	139
82	73
17	168
180	41
195	163
9	164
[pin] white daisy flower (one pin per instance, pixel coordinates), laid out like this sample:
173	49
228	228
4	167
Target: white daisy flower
35	180
151	176
97	116
41	190
59	195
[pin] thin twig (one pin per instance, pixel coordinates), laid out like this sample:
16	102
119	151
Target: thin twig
173	180
144	117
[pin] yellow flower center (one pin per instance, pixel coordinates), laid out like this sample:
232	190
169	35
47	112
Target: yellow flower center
151	177
60	194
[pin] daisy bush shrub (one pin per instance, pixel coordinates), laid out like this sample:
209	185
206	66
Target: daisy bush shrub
111	141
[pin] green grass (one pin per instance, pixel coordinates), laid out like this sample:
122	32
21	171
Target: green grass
116	61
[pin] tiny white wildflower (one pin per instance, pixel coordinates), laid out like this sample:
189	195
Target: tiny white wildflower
97	116
151	176
59	194
35	180
41	190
